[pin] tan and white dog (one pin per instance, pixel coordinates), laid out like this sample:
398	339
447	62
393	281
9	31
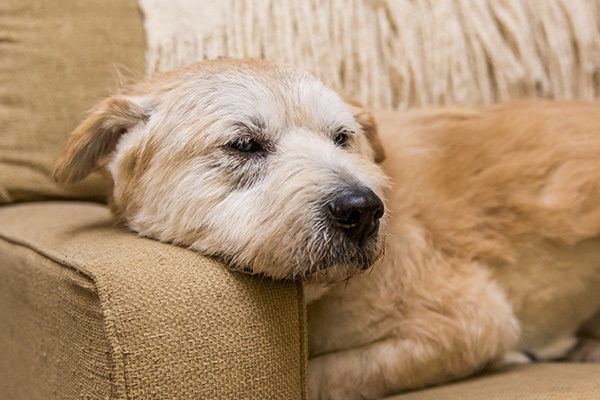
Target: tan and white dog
491	228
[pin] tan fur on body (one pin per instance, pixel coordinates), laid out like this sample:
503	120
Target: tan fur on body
492	226
493	247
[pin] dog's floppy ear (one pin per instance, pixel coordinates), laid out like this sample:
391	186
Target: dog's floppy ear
98	135
367	122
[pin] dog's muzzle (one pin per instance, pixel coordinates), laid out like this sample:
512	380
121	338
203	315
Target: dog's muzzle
356	212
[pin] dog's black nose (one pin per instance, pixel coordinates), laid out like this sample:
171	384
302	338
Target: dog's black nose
356	211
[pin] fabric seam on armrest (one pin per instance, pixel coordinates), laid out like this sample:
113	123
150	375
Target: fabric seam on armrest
303	340
110	324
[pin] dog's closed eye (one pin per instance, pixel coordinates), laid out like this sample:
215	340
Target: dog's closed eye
342	137
246	145
251	137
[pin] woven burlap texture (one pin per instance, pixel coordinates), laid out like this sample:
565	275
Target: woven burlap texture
179	325
396	53
56	61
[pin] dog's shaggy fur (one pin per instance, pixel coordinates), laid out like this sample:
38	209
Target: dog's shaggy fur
491	230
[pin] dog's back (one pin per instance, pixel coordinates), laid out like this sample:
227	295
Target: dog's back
517	188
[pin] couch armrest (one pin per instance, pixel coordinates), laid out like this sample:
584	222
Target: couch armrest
92	311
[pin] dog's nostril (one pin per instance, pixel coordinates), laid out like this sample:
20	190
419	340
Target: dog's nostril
351	219
356	211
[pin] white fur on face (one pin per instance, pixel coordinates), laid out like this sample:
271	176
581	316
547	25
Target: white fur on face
264	212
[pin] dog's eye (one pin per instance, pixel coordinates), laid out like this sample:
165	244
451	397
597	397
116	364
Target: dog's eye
245	145
341	138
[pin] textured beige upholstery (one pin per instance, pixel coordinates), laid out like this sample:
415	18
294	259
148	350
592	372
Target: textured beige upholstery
526	382
92	311
56	60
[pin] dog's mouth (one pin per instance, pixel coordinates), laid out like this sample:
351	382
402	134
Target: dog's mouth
333	265
342	266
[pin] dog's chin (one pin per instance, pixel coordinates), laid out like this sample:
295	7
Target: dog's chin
322	274
330	265
333	267
339	272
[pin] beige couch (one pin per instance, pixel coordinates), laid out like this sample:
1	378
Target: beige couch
89	310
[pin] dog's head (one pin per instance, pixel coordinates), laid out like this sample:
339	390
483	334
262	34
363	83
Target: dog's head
260	165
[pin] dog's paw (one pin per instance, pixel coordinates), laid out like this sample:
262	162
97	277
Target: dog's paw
587	351
510	358
319	382
325	382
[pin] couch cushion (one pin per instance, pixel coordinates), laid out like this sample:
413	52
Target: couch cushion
57	59
88	309
559	381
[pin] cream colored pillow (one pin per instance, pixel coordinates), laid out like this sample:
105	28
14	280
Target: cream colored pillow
396	53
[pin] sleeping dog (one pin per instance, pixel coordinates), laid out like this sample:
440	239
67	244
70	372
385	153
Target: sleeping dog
473	242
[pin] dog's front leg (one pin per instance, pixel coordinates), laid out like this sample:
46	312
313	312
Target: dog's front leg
588	349
380	369
396	364
435	339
